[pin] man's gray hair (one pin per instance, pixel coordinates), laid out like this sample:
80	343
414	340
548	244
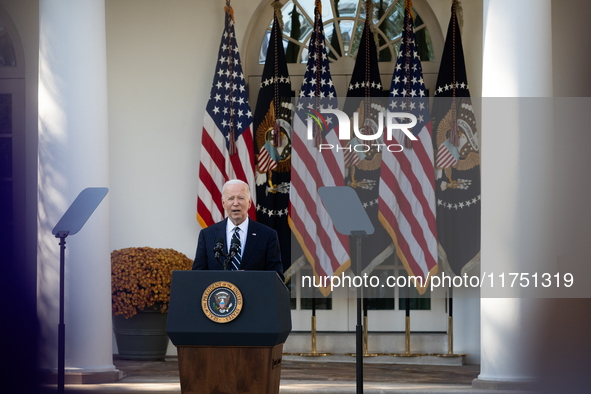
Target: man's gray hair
236	182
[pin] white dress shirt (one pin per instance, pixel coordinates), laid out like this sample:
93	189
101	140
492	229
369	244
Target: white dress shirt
242	233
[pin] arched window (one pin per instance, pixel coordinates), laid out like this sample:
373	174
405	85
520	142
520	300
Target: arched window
343	26
7	55
343	23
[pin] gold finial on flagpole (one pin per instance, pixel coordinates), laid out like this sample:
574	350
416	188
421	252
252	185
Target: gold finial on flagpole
408	6
277	6
318	4
228	8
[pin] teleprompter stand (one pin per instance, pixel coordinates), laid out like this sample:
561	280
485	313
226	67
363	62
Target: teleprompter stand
366	352
70	223
349	218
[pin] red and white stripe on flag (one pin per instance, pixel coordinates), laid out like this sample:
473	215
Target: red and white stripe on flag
351	158
324	247
407	204
227	115
266	162
445	158
216	167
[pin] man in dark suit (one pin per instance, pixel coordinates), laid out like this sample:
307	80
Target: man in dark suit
258	245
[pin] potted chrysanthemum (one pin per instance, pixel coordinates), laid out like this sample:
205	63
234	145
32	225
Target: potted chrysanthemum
140	292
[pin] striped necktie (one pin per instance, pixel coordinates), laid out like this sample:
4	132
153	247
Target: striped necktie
238	256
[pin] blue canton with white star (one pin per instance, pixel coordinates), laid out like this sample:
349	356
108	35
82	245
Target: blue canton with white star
218	106
404	96
318	74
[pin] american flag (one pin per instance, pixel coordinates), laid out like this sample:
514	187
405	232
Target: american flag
326	249
226	145
407	191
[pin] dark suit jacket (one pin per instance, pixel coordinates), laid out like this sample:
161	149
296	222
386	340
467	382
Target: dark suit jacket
261	253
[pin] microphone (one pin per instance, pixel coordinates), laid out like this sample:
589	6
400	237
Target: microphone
219	247
218	250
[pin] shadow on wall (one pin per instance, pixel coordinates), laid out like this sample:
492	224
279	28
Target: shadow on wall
564	346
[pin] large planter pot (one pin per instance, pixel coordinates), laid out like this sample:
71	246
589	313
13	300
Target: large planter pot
142	336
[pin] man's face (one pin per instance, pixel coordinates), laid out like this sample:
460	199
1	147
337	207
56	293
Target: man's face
236	202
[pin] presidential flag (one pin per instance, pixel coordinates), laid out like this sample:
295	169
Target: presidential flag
407	189
226	144
363	167
272	148
457	145
326	249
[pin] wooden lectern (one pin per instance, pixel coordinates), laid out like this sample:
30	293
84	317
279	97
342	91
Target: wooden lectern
229	328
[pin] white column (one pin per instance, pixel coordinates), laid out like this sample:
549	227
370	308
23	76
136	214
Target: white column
517	48
517	180
73	155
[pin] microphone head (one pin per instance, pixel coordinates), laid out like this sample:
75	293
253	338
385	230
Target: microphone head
219	245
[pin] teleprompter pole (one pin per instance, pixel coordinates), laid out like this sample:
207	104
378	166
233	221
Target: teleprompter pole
359	328
366	352
450	326
61	338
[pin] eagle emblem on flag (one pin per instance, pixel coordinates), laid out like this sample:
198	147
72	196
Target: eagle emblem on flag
463	157
273	136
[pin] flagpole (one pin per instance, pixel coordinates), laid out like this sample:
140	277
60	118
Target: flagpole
454	138
450	332
314	352
276	97
407	352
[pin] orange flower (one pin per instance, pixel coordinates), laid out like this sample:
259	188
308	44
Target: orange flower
140	277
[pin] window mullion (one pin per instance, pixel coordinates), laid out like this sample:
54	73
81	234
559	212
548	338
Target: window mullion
386	13
304	13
